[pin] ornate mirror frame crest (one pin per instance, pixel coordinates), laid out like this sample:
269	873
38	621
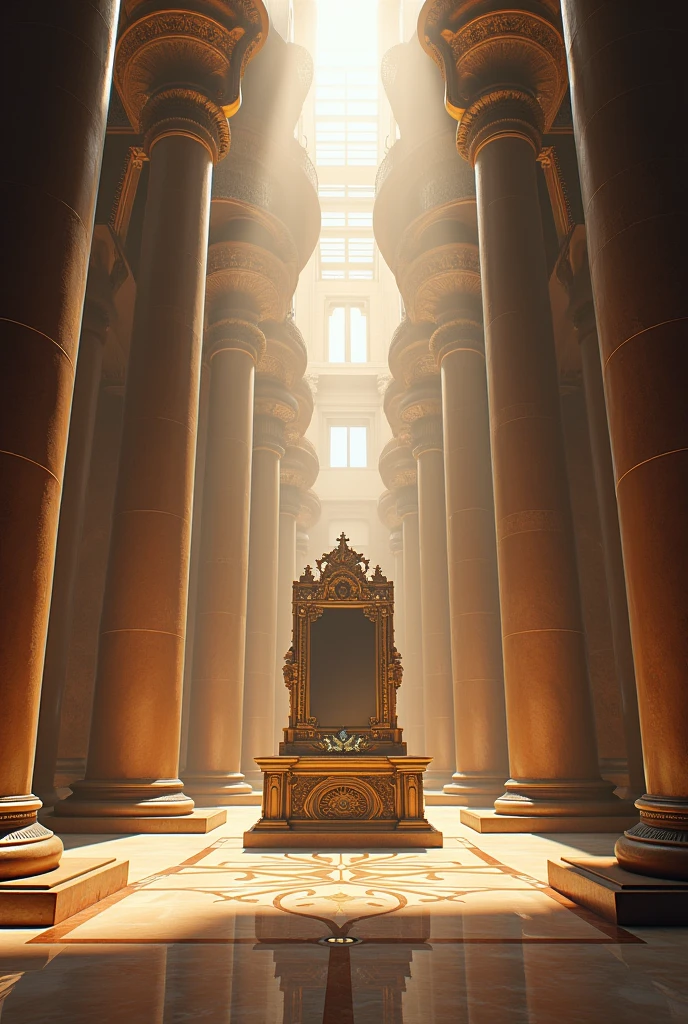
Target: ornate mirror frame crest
343	581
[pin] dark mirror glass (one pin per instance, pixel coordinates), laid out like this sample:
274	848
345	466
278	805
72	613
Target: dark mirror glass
342	669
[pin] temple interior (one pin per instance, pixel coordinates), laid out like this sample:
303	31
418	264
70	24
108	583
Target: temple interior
343	502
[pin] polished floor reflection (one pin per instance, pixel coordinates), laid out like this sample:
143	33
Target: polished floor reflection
470	933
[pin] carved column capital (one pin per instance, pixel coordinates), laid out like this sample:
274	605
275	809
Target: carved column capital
234	334
421	408
440	279
409	356
504	70
460	334
300	467
397	466
245	277
178	72
274	408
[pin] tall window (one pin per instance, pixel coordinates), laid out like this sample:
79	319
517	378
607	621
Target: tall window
348	447
347	334
346	84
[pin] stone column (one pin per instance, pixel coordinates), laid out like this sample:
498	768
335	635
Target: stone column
633	190
50	180
504	94
180	99
309	516
399	472
298	472
442	286
94	328
479	715
234	345
422	409
275	407
574	273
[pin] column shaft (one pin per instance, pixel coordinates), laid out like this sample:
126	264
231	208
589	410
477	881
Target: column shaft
261	619
72	509
286	574
214	752
603	470
434	598
552	751
50	180
625	70
134	748
411	691
479	717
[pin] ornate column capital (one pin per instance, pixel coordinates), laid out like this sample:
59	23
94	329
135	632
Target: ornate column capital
397	465
178	72
387	510
462	333
300	466
274	408
409	356
440	279
421	408
504	69
310	510
245	277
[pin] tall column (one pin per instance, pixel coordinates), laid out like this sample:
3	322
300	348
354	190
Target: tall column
298	472
442	286
94	327
234	345
50	179
133	759
422	409
574	272
503	93
274	407
399	472
479	715
634	200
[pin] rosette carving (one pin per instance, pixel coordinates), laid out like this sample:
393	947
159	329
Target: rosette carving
179	71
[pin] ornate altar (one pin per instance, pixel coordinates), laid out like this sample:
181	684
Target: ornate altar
343	777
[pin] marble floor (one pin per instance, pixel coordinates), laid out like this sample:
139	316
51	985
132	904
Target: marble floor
469	934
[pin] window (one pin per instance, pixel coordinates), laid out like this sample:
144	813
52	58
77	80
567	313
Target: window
347	256
348	447
347	333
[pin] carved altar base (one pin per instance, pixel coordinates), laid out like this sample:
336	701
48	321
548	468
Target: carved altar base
342	801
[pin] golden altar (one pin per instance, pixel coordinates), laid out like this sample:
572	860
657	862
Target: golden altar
342	777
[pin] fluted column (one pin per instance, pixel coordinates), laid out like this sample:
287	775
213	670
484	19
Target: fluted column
180	100
422	409
633	186
50	179
82	423
274	408
504	94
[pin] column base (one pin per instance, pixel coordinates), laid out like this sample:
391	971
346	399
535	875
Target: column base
475	789
47	898
658	843
125	798
435	781
489	821
217	789
198	822
624	898
28	851
565	797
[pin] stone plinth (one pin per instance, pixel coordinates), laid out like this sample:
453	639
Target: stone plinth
48	898
490	821
197	823
340	801
601	885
